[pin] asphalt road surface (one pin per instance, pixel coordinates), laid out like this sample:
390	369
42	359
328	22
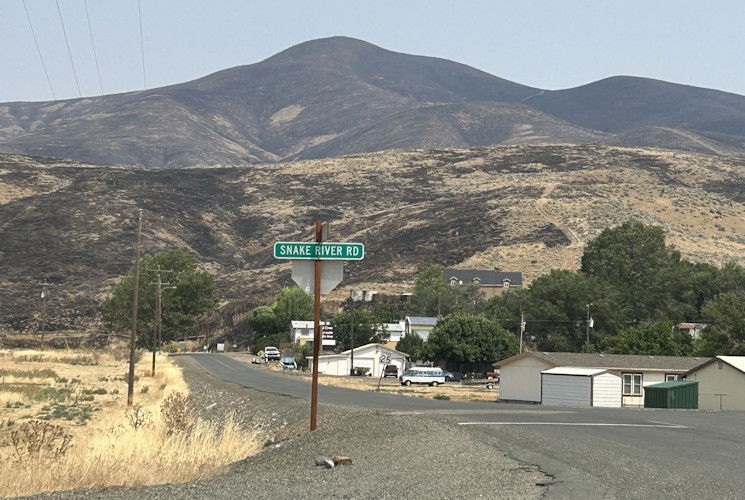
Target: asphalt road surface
591	452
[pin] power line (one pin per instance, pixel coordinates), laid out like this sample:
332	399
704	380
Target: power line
93	44
69	52
142	44
38	50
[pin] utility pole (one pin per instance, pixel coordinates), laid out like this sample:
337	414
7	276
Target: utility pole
135	298
587	327
316	332
522	330
158	310
42	326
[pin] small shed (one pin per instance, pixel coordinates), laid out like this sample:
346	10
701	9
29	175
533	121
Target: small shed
574	386
672	394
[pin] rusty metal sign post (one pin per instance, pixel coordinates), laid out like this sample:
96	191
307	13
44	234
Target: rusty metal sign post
300	253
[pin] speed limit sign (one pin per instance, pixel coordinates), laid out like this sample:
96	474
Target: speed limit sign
385	358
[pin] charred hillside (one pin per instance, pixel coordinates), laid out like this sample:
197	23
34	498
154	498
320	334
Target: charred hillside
521	208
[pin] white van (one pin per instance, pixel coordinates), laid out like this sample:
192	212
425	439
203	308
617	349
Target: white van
423	375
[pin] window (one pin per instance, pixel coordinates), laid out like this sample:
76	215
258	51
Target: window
632	384
671	376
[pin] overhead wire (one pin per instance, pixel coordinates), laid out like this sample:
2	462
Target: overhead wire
38	50
142	44
93	45
69	52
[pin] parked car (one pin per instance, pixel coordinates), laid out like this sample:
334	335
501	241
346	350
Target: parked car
448	376
271	354
419	376
390	371
493	375
288	363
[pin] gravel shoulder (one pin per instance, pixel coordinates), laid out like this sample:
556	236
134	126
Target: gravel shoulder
393	456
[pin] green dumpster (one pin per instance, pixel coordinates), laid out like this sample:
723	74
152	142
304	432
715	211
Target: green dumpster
672	394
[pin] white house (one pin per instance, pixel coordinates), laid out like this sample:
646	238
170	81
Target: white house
520	378
572	386
393	333
366	356
302	333
721	383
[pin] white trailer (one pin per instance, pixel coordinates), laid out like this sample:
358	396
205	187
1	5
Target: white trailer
572	386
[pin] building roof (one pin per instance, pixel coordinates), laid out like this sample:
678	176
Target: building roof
486	277
304	324
670	383
422	320
573	370
613	361
361	349
736	362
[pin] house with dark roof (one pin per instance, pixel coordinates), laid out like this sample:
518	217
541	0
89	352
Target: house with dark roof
492	282
520	376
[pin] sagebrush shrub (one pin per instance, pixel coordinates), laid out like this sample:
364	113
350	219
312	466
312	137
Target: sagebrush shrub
38	439
177	412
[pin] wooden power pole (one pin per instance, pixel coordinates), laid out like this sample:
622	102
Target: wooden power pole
135	298
316	332
158	311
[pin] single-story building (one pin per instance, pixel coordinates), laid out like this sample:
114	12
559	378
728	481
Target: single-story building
721	383
366	356
490	281
520	378
419	325
572	386
302	333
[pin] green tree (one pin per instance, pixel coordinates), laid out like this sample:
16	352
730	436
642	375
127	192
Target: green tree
555	309
263	321
192	296
634	259
726	314
470	340
412	345
433	296
292	304
356	328
654	339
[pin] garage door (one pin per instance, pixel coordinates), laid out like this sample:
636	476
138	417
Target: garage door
566	390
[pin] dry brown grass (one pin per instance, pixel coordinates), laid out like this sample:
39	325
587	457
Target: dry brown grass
106	448
450	390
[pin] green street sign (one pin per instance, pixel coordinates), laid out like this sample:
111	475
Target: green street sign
295	250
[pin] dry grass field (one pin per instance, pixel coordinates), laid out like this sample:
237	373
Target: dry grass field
64	424
450	390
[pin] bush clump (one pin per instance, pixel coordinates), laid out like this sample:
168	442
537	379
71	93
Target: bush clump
177	412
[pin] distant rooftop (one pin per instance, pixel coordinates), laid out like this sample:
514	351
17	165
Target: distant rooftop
422	320
613	361
486	277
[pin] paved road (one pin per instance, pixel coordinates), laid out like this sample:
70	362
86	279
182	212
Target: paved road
592	452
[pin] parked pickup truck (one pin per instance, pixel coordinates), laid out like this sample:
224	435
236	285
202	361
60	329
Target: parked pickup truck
271	354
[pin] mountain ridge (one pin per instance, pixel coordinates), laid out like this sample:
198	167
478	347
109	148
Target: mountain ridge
338	95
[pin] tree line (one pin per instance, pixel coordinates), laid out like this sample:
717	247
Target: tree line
632	284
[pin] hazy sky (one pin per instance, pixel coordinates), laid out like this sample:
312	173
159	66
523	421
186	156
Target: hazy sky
549	44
